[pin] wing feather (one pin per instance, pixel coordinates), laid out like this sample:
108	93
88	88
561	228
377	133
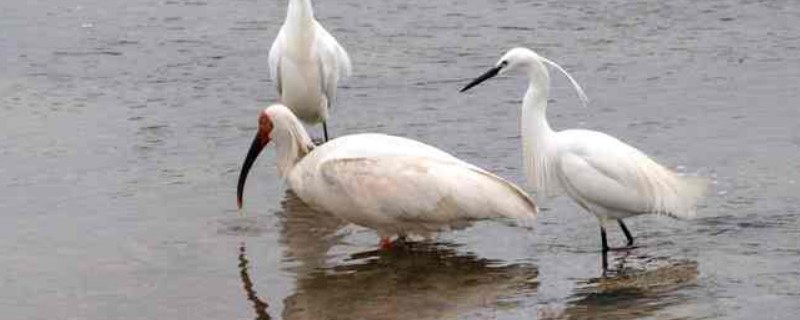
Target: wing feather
274	60
617	177
334	62
424	192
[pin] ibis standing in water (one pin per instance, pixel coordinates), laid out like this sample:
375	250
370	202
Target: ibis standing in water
393	185
603	175
307	62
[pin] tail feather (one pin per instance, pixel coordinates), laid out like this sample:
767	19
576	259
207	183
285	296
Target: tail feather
691	190
525	218
671	195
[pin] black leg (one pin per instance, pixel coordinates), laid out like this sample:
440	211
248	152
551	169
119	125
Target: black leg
325	129
605	246
403	241
627	233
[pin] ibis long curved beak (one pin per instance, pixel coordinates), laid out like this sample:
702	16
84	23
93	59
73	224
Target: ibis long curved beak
486	76
259	142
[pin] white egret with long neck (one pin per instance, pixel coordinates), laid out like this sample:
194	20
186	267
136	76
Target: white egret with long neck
306	63
393	185
602	174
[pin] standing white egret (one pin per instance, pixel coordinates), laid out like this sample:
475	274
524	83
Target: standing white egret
603	175
307	62
393	185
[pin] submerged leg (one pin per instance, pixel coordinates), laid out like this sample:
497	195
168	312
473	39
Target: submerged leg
325	129
605	246
627	233
386	243
402	238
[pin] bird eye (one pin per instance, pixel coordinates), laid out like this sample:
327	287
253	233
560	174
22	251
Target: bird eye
503	63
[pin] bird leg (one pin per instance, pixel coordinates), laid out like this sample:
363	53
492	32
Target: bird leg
402	239
627	233
605	246
605	241
386	243
325	129
603	238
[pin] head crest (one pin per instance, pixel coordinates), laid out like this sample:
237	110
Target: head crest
578	89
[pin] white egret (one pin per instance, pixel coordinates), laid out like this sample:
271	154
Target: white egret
393	185
603	175
307	62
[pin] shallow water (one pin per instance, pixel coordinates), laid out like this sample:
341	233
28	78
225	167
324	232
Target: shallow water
124	125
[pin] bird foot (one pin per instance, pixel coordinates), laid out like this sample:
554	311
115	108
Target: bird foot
386	243
401	242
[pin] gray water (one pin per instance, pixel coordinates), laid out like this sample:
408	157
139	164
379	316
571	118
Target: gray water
124	124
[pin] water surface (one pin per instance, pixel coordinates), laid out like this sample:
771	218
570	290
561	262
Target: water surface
125	122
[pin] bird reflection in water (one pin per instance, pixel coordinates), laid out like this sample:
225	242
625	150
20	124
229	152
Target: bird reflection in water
636	287
417	281
427	280
308	235
259	306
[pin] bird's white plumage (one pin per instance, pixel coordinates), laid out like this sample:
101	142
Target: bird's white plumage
334	61
604	175
400	186
307	63
395	185
274	59
614	180
404	194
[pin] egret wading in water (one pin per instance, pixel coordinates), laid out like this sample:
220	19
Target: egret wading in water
307	62
393	185
603	175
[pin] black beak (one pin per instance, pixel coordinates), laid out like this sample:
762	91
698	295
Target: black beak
486	76
259	142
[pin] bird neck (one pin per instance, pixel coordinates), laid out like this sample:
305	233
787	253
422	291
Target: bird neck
292	143
536	132
299	27
534	113
300	13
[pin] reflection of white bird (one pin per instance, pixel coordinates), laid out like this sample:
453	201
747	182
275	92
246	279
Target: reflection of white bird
422	282
602	174
307	62
394	185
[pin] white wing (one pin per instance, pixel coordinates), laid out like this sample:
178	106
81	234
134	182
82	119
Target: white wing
608	174
275	53
334	62
371	145
393	184
424	193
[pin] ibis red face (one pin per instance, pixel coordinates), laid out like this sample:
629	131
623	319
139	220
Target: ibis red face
259	142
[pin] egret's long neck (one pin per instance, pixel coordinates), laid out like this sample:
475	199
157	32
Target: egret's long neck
536	131
299	27
292	143
300	14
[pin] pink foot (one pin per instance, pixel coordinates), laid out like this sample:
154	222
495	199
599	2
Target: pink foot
386	243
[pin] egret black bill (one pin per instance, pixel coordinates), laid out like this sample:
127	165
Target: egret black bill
486	76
